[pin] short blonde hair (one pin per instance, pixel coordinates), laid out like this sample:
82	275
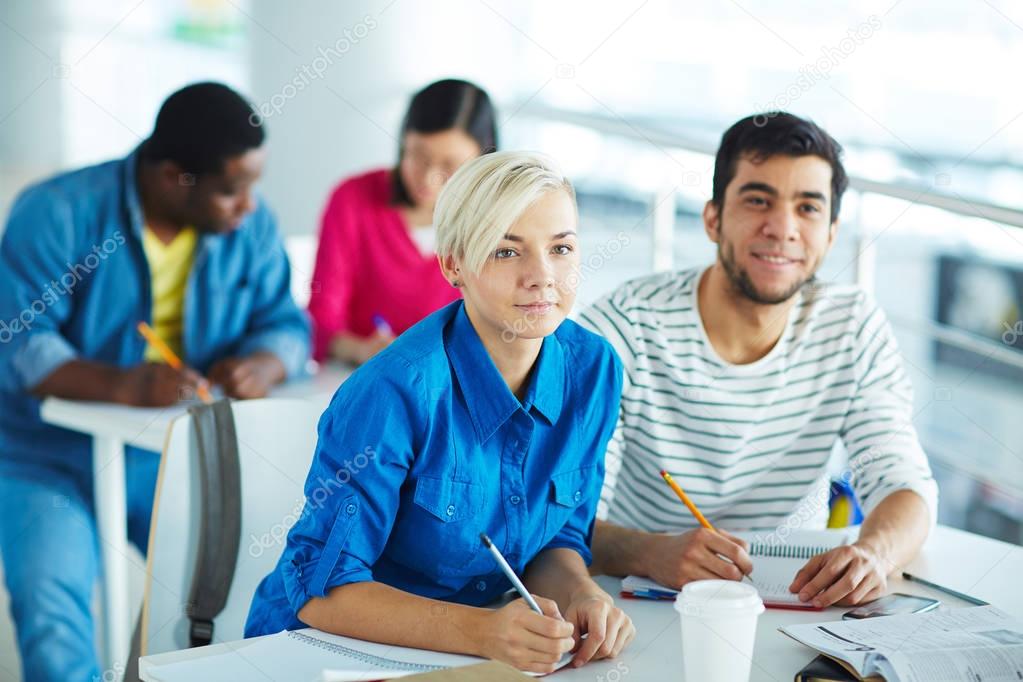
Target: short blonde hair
484	197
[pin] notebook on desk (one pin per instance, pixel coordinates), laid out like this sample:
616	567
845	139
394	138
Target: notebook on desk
776	561
307	655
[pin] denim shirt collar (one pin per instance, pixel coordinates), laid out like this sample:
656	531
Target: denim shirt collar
488	399
133	204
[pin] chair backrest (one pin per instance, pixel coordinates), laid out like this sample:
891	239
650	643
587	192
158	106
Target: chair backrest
276	439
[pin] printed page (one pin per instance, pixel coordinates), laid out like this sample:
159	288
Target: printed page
1003	664
971	628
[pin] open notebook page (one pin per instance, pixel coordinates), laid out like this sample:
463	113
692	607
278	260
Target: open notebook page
307	656
776	560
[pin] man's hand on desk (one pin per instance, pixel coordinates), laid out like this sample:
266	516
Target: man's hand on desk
847	575
155	385
146	385
890	537
248	377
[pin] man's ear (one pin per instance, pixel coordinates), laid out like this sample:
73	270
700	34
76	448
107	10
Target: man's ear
712	221
833	233
174	180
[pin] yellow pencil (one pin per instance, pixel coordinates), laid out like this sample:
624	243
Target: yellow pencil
692	507
169	356
686	501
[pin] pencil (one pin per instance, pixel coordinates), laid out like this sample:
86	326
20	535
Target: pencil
692	508
946	590
686	501
512	578
169	356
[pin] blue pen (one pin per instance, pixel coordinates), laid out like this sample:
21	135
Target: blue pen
381	324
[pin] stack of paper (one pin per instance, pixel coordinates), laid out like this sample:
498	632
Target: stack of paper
974	643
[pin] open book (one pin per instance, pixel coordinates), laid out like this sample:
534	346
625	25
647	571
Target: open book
301	655
776	560
972	643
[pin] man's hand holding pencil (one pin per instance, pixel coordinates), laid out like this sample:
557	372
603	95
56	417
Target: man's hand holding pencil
705	553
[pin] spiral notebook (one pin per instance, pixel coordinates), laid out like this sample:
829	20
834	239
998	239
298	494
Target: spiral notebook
302	656
776	560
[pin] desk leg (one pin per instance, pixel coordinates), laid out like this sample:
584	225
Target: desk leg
112	524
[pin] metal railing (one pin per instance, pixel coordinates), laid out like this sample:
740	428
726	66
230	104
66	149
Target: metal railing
663	205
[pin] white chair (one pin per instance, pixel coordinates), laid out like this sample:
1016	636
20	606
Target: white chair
276	439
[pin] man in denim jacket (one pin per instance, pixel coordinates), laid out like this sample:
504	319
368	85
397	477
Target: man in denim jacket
172	235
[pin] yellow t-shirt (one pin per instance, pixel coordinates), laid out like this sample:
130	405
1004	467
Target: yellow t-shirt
169	265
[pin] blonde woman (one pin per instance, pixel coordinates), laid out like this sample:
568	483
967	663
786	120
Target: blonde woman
490	415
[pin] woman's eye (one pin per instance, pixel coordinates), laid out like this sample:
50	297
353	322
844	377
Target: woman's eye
563	249
504	253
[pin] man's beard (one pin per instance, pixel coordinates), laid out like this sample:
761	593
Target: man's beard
742	283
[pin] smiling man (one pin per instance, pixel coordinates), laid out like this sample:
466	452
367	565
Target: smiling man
742	376
173	235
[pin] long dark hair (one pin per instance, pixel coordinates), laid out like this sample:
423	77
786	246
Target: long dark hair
448	104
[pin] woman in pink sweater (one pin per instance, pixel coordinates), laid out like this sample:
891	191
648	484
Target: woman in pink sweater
376	271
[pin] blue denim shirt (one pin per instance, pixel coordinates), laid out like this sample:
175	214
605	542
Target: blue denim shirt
74	282
425	447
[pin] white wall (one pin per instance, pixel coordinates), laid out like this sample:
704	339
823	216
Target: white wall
324	127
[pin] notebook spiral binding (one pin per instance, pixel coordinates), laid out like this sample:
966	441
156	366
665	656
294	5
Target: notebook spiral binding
786	551
385	663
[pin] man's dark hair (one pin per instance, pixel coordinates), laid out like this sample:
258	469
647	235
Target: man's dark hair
447	105
202	125
762	136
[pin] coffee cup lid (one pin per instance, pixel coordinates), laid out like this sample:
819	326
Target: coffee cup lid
704	598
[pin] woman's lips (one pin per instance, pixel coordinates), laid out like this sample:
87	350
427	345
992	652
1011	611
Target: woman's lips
536	308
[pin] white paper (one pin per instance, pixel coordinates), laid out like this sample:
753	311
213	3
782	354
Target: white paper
292	657
310	656
771	575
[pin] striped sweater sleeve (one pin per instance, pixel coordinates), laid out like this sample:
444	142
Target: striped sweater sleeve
885	454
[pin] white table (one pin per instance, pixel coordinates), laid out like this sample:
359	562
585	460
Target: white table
113	427
978	566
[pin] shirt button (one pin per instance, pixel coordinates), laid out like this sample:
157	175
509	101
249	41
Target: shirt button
451	510
514	499
481	585
578	495
350	509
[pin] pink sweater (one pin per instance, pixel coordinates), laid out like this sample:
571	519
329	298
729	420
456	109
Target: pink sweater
367	264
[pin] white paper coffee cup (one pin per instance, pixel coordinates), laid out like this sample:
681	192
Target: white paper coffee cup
719	627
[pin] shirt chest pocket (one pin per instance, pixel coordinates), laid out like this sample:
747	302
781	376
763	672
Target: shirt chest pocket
441	531
568	490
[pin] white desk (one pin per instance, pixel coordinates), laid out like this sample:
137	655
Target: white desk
972	564
113	427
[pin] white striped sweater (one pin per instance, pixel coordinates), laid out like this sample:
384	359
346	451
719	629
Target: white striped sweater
750	443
